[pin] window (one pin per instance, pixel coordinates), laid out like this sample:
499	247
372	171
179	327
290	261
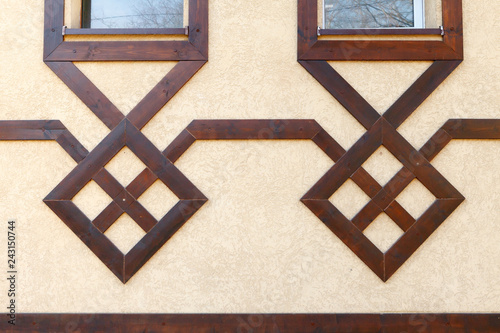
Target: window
132	14
373	14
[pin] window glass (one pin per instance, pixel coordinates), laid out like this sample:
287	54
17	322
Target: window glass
133	13
357	14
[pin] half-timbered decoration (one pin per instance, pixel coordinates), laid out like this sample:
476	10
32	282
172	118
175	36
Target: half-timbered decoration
314	51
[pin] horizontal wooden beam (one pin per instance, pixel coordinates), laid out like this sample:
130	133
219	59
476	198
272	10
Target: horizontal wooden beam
244	322
126	51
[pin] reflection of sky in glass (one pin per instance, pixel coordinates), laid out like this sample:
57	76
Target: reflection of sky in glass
111	13
352	14
126	14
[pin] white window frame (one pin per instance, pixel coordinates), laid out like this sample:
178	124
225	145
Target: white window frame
418	16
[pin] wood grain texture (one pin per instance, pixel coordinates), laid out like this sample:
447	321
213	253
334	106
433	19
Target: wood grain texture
379	50
90	166
53	23
173	81
343	92
95	240
248	322
87	92
348	165
198	26
58	50
310	48
159	234
43	130
418	92
348	233
126	51
261	129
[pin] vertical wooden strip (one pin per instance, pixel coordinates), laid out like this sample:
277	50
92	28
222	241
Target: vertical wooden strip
86	11
53	23
452	23
198	25
307	25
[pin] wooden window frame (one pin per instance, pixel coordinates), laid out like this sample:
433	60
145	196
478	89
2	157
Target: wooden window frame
56	49
310	47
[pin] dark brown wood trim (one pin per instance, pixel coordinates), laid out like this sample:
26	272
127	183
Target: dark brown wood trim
419	91
123	31
198	25
88	93
348	233
310	48
90	166
126	51
355	50
43	130
453	25
308	21
245	322
343	92
83	228
53	23
159	235
263	129
152	103
194	49
380	32
348	165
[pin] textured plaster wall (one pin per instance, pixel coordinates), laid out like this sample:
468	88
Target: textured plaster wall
253	247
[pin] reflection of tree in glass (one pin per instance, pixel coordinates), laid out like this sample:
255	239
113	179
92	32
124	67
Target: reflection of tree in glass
138	14
349	14
157	14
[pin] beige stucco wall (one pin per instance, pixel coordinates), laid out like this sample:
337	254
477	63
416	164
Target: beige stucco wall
253	247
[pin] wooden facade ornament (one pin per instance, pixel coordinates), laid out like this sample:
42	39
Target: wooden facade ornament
313	54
